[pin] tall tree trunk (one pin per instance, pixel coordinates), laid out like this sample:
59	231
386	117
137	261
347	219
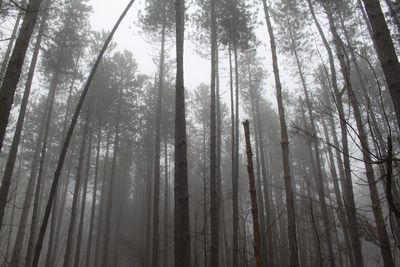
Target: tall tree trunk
110	196
340	206
293	249
235	229
94	199
83	202
317	158
67	140
386	51
157	144
74	209
100	217
348	186
181	213
7	176
253	195
166	201
376	206
36	210
214	205
12	74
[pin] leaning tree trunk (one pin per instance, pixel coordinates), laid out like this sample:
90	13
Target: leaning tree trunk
318	169
348	186
253	195
7	176
181	212
13	72
362	136
68	137
386	51
293	249
10	44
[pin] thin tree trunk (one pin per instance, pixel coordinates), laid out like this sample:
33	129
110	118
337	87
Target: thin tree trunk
340	206
67	140
94	199
253	195
74	209
293	249
83	202
348	186
235	229
157	144
318	169
181	213
376	206
100	218
166	201
12	74
109	204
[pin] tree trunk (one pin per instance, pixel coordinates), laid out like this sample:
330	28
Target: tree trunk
181	213
94	199
109	203
83	202
253	195
10	45
348	186
100	218
166	202
7	176
74	209
235	229
362	136
214	200
13	72
340	206
67	140
157	144
293	249
386	51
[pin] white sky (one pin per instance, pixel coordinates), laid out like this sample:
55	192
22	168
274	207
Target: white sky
129	37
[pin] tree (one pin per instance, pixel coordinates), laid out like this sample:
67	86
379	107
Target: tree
13	72
385	50
181	212
67	140
293	249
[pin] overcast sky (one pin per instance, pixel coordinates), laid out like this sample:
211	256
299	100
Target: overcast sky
129	37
